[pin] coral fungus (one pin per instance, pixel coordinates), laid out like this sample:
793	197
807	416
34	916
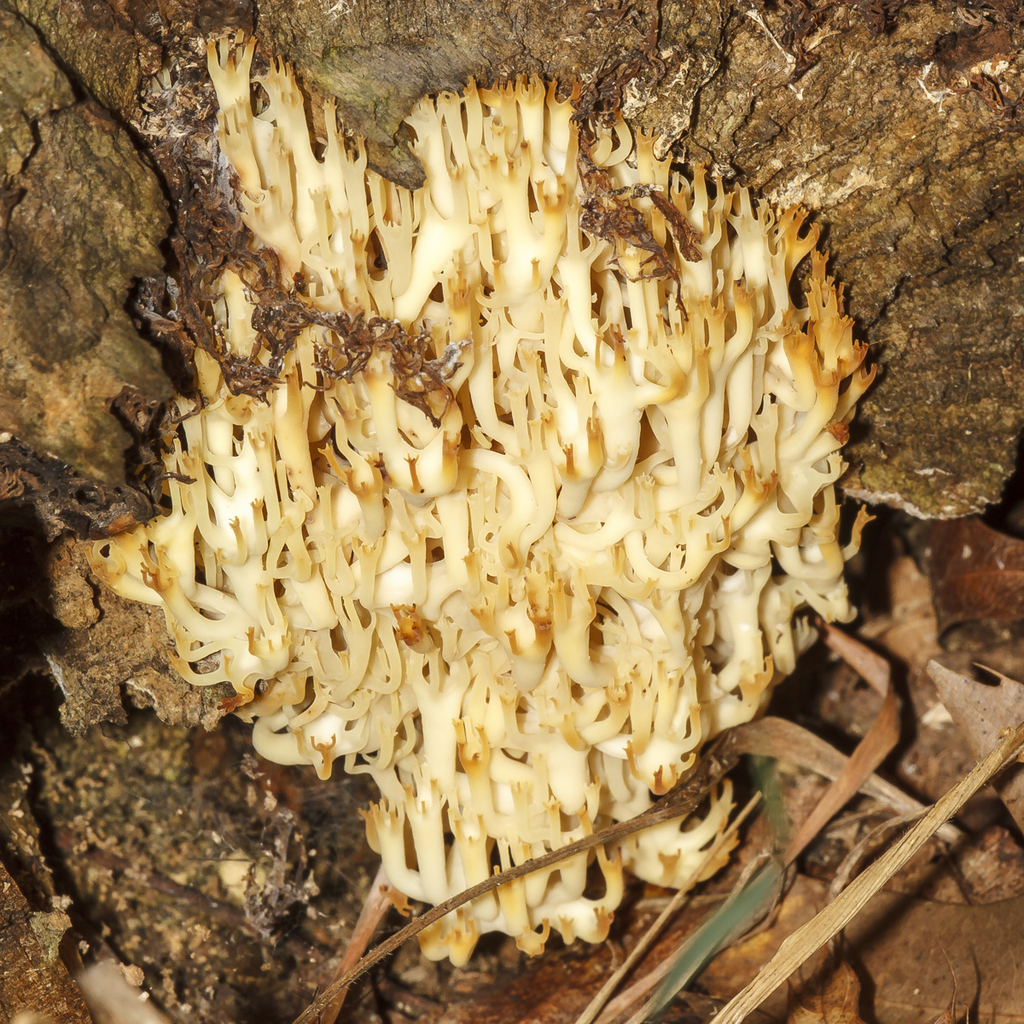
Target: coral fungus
540	485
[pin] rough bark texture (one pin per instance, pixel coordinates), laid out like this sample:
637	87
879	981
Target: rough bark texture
902	136
378	59
82	216
33	980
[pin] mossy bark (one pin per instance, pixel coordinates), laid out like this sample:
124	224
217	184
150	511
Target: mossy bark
83	216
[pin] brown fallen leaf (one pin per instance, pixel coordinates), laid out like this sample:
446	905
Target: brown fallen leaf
557	988
909	946
834	1000
981	713
977	573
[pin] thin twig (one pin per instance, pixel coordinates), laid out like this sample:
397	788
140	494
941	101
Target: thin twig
679	803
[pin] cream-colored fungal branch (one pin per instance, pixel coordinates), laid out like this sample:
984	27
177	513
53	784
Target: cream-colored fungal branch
520	586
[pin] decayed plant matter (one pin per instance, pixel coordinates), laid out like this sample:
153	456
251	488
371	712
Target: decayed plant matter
541	484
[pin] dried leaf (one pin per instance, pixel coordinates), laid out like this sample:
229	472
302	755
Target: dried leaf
872	749
909	946
834	1002
799	946
977	573
981	713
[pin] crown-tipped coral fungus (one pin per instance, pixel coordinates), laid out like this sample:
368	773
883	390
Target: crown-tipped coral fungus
541	484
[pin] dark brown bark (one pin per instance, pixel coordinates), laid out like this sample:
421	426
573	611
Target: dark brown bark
32	977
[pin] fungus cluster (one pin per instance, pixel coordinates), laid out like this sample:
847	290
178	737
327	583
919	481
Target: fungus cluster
528	514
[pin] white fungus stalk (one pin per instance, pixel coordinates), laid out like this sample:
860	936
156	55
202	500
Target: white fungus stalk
523	612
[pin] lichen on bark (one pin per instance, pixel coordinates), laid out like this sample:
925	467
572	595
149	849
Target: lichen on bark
84	216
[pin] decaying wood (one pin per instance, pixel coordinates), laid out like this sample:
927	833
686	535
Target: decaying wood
897	125
33	978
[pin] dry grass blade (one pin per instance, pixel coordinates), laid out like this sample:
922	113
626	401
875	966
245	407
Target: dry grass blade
679	803
675	904
811	936
787	741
